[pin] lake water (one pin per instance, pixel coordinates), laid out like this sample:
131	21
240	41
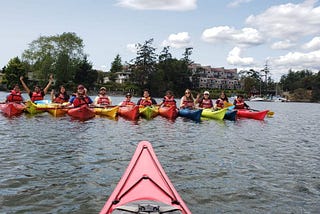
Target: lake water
60	165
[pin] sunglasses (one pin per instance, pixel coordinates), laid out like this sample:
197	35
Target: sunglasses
81	88
187	93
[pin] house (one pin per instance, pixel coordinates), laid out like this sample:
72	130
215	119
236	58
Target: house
215	78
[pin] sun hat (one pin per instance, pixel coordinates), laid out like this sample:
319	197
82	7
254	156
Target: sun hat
103	88
206	92
128	95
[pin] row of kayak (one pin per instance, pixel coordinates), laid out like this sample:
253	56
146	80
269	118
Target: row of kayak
130	112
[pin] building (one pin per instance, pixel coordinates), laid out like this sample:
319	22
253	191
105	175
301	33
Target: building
214	78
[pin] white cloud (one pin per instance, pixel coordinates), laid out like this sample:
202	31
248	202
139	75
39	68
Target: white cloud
236	3
234	58
314	44
179	40
288	21
283	45
132	48
243	37
174	5
299	60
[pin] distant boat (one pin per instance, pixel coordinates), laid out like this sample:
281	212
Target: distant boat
280	99
257	99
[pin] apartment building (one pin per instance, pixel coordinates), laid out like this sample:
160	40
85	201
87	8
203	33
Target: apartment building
214	78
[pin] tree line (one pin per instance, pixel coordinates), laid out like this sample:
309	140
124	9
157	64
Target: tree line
64	57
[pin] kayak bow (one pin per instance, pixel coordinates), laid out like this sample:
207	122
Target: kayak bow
145	186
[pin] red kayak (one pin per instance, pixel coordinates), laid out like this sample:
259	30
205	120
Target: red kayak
145	187
12	108
82	113
130	112
169	112
258	115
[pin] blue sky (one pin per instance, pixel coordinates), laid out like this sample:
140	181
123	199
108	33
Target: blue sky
240	34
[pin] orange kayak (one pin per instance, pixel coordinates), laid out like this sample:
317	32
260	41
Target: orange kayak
169	112
12	108
145	187
258	115
129	112
82	113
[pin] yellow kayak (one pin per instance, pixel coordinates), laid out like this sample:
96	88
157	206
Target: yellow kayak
149	112
218	115
107	111
32	108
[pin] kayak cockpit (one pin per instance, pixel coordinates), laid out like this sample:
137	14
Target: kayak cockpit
146	207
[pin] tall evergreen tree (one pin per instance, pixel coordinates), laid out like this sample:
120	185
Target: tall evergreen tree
144	64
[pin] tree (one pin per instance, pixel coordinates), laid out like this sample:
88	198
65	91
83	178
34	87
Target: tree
57	54
116	66
186	55
144	64
85	75
165	54
13	71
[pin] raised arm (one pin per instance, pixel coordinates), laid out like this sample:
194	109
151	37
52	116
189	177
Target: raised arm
45	90
24	85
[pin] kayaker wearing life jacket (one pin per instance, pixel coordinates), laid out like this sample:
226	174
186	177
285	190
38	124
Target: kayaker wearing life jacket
168	100
127	101
37	94
102	99
205	101
60	97
15	95
187	101
221	101
80	98
239	103
146	100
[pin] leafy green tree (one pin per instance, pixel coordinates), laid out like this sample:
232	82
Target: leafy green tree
56	55
144	64
13	71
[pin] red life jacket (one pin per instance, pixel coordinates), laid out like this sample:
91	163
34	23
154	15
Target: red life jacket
146	101
127	103
206	103
36	96
220	103
188	103
103	100
169	101
14	97
79	101
60	99
239	104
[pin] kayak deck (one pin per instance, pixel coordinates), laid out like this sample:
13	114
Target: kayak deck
144	180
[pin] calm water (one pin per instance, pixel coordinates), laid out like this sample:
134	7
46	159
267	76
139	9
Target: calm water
60	165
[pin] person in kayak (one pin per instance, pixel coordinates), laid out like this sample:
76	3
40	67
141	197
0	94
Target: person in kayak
146	100
205	101
127	101
61	97
15	95
187	101
239	103
102	99
80	98
168	100
37	94
221	101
